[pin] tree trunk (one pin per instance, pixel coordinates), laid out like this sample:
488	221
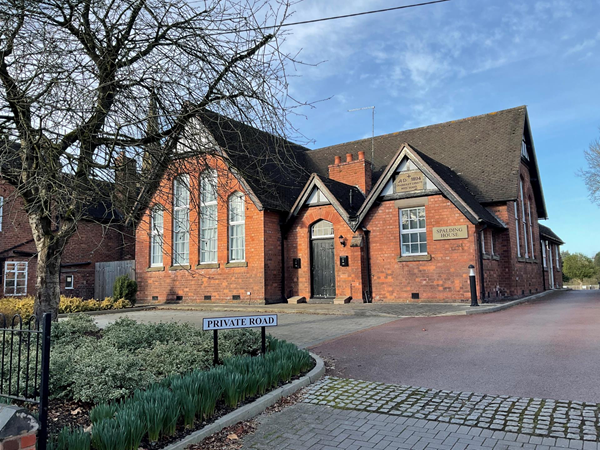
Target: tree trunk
49	255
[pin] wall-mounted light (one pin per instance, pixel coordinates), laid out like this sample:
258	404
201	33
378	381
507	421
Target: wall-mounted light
342	241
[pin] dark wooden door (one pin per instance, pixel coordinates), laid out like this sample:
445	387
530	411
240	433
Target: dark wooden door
323	268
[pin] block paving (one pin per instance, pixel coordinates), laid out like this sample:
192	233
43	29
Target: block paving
306	426
543	418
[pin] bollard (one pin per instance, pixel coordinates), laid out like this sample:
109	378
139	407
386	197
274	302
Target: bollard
473	285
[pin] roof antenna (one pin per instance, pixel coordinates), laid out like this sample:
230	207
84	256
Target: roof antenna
372	131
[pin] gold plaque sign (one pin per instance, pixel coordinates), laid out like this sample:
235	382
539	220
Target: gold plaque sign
410	181
443	233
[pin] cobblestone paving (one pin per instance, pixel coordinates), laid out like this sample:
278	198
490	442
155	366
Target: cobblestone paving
312	427
531	416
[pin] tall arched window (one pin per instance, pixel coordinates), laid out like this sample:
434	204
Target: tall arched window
181	220
208	217
524	219
156	241
237	228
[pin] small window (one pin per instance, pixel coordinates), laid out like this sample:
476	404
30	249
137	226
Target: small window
69	282
15	278
557	257
524	152
492	252
413	233
544	253
482	237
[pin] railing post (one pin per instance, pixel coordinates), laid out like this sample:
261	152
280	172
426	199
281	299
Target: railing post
45	377
216	348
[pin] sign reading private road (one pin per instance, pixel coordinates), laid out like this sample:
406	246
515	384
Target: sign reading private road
228	323
456	232
413	180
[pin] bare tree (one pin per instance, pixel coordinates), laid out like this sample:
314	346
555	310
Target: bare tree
88	87
592	174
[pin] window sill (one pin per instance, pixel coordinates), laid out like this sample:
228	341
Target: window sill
208	266
527	260
236	264
486	256
156	269
426	257
180	267
496	257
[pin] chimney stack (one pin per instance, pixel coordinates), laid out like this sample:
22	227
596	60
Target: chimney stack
355	172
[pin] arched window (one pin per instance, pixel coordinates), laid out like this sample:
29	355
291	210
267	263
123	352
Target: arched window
156	240
321	230
237	228
208	217
181	220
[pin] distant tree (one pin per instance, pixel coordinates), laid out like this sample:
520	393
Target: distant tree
592	174
578	266
597	260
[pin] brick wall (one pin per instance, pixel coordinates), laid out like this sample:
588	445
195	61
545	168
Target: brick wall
349	280
445	278
93	242
261	276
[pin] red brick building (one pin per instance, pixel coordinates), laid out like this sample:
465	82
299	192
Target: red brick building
332	224
99	238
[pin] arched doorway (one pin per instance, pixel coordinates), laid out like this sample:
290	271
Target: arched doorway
322	260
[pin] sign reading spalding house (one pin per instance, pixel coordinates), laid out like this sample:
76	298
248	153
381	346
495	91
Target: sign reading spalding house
452	232
412	180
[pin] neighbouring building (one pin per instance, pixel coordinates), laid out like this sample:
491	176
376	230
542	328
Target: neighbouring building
100	237
399	218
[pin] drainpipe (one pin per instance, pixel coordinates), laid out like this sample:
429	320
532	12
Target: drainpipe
481	271
281	231
369	296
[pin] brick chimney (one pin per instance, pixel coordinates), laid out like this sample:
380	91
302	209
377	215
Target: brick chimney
355	172
126	181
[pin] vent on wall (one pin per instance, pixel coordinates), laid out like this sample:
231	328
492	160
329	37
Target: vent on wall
155	298
178	298
235	297
207	297
414	296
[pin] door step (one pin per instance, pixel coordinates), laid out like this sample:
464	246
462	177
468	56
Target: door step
321	301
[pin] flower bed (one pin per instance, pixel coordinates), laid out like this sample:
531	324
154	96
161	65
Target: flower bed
9	306
153	383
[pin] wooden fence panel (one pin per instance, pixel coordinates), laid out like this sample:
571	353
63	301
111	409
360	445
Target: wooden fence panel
107	273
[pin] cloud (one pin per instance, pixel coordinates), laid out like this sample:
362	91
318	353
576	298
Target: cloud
587	44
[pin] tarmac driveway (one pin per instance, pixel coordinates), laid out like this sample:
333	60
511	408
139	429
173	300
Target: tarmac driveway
547	349
302	329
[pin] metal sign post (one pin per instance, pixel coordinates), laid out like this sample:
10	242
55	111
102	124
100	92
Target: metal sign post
232	323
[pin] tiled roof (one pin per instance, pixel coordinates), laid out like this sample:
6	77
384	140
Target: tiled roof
483	151
550	235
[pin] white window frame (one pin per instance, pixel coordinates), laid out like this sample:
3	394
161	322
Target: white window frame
492	242
318	231
524	219
181	222
544	254
17	272
413	231
1	211
72	285
482	237
239	224
208	210
557	258
517	226
530	230
524	152
156	236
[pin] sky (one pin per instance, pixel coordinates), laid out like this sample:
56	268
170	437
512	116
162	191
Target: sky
458	59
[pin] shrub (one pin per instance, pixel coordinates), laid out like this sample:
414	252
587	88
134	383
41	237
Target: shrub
75	326
9	306
126	288
69	439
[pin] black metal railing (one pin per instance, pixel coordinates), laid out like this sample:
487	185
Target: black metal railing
25	365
